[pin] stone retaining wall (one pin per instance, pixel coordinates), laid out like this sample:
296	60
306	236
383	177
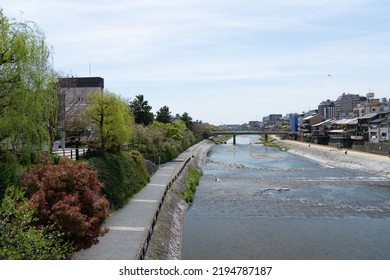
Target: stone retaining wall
375	148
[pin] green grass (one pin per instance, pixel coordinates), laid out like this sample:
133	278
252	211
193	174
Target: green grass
272	144
219	139
191	182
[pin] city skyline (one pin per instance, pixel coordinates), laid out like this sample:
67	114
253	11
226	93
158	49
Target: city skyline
222	62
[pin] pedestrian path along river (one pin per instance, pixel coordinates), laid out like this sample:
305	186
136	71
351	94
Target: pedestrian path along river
130	228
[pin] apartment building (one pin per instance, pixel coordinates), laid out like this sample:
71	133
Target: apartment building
327	109
370	105
345	103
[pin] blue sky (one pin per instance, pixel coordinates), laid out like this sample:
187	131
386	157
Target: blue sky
222	61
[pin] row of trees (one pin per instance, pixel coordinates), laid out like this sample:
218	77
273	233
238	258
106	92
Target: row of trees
143	113
50	206
161	137
119	122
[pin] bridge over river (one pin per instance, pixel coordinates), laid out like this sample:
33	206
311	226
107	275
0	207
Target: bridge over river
253	132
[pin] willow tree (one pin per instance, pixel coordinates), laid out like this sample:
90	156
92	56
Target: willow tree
27	98
112	118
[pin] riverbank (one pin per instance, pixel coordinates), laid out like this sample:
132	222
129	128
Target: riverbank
345	158
166	241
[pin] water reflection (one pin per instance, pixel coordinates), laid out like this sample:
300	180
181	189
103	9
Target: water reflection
255	202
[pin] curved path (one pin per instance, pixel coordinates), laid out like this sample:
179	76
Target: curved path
130	228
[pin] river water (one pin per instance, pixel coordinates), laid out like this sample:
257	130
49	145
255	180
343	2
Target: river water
255	202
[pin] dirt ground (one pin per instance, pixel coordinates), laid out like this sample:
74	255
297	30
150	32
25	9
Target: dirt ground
377	164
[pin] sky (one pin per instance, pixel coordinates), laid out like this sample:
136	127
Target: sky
221	61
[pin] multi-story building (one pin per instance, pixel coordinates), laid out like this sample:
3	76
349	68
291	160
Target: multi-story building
345	103
305	129
385	104
327	109
378	130
370	106
254	125
275	119
363	126
73	100
320	131
342	132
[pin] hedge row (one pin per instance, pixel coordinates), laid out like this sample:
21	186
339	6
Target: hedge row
123	175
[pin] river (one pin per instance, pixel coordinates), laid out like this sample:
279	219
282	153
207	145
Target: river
255	202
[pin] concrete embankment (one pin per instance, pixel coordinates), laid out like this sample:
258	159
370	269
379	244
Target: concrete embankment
130	229
166	241
377	164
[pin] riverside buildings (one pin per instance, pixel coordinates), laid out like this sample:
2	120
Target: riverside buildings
351	120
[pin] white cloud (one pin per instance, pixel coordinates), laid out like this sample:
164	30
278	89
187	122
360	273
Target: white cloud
223	46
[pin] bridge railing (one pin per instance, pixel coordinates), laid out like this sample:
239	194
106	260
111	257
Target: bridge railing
237	132
71	153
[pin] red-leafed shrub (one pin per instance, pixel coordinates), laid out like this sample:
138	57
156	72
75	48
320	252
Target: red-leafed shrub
67	194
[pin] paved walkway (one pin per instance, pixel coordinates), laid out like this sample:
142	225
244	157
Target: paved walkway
131	226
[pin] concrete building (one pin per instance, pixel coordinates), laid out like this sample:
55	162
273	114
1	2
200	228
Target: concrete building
255	125
363	126
273	119
385	104
73	99
327	109
345	103
371	106
320	131
378	130
305	129
73	93
342	132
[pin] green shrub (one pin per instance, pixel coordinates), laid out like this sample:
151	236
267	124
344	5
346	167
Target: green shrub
162	142
20	239
123	174
8	171
191	182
